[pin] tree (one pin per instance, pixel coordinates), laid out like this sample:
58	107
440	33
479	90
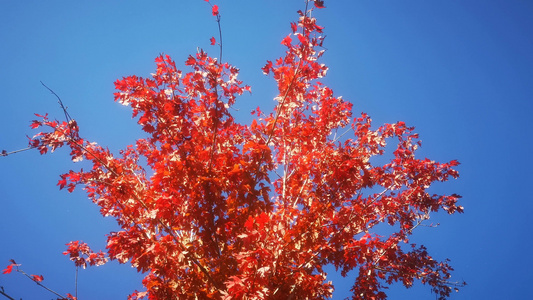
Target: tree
213	209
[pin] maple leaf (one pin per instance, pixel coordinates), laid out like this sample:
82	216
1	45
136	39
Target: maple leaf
249	224
215	10
8	269
35	124
319	3
267	67
37	278
294	27
287	41
212	40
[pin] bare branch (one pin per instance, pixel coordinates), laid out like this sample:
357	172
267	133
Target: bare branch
40	284
67	116
5	153
4	294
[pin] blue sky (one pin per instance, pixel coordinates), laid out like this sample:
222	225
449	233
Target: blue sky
460	71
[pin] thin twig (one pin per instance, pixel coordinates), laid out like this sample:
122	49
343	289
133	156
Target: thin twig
3	293
40	284
76	283
219	36
5	153
67	116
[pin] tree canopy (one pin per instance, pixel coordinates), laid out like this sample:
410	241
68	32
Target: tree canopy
213	209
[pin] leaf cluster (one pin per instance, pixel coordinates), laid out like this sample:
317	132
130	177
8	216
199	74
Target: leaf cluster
222	210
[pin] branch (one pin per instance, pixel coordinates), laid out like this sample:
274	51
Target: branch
455	284
5	153
219	36
219	31
409	232
41	285
34	278
67	116
4	294
76	284
191	256
282	102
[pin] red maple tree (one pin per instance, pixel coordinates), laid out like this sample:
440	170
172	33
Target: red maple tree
213	209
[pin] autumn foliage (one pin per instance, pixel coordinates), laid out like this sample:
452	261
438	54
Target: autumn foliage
214	209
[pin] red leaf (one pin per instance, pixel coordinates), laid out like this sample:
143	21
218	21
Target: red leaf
454	163
8	269
35	124
236	169
319	3
249	224
267	67
213	41
262	219
69	296
41	116
302	39
215	10
63	182
37	278
287	41
294	27
190	61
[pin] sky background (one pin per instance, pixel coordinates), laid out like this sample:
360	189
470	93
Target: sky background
460	71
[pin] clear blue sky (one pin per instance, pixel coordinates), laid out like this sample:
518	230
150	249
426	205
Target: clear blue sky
460	71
